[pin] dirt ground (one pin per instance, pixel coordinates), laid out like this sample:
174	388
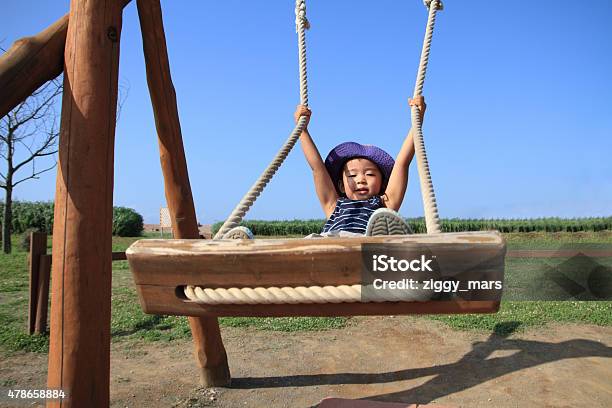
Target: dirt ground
401	359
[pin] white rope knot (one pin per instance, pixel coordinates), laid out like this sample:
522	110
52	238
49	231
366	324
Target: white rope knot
300	15
439	5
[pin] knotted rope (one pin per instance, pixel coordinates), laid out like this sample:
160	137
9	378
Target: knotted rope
301	294
249	198
432	219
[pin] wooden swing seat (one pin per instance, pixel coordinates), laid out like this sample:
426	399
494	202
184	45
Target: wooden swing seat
162	268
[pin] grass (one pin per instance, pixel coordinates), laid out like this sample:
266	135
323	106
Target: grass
523	315
14	284
520	271
130	323
559	240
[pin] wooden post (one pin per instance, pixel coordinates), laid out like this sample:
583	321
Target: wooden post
79	351
42	306
209	350
38	247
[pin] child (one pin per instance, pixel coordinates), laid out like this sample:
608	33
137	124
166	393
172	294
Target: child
360	187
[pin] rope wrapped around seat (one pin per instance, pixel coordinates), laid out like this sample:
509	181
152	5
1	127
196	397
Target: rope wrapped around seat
302	294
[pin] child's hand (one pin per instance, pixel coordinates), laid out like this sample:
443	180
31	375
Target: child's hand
302	110
419	102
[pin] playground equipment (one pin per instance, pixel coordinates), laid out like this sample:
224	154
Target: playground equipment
302	277
79	355
306	277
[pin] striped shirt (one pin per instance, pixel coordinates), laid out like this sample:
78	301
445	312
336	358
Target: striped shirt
352	215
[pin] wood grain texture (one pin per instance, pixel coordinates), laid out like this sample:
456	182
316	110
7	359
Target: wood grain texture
162	267
42	304
38	248
79	350
32	61
298	262
209	350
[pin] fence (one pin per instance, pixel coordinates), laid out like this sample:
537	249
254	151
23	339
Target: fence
39	263
40	272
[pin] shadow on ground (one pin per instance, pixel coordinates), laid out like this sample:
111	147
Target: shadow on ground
472	369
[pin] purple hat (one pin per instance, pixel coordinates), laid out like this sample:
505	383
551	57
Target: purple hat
342	153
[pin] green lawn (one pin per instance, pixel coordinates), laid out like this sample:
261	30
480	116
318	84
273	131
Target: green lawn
130	323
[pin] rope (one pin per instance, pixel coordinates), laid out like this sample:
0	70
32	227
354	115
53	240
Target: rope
302	294
427	3
249	198
432	218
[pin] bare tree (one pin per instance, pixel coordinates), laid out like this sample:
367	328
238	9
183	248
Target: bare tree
28	132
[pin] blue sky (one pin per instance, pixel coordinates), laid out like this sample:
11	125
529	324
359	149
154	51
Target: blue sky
519	118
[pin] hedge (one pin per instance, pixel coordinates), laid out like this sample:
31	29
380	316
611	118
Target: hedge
39	215
301	227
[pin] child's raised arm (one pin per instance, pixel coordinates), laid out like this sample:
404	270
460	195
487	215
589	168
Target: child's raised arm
323	183
398	180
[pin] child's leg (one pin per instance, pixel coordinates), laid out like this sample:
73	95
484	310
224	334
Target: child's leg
238	233
385	221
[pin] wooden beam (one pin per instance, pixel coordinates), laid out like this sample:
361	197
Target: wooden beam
38	248
297	262
32	61
79	350
118	256
209	350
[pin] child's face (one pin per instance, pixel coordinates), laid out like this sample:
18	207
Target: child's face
361	179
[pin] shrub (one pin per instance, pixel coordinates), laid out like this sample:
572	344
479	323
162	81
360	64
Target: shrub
38	215
301	227
127	222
